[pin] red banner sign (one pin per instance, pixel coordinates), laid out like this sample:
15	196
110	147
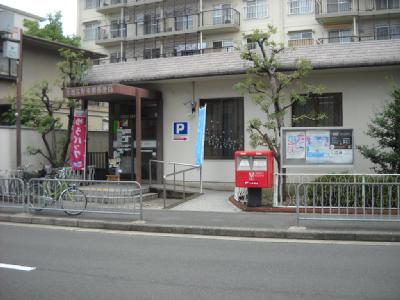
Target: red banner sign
78	142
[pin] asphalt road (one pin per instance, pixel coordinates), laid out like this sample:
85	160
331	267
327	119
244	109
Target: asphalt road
94	264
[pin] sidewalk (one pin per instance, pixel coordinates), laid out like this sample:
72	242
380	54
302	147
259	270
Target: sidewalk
239	224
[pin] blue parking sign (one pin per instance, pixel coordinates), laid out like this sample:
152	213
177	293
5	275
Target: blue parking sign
180	131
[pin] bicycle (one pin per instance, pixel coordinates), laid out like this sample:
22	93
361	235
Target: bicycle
59	190
72	200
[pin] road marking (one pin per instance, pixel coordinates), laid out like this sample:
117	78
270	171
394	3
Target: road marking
206	237
17	267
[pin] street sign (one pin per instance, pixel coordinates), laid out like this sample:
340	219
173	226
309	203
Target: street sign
180	131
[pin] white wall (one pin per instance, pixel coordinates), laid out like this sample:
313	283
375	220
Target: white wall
364	91
98	142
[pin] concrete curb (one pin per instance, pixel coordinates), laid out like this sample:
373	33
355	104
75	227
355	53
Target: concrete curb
301	234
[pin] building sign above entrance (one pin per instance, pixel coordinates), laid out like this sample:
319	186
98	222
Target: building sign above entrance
93	90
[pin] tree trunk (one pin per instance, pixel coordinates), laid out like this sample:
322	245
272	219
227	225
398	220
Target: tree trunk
68	134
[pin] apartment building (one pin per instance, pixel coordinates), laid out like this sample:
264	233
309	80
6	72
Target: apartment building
185	51
143	29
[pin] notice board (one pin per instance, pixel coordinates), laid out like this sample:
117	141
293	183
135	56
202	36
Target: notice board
314	146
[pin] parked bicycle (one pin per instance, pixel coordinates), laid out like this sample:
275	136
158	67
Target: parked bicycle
71	200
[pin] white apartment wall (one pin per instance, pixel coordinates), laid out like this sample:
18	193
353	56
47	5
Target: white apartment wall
85	16
364	92
277	15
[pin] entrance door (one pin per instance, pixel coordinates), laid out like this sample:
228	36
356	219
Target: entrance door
122	138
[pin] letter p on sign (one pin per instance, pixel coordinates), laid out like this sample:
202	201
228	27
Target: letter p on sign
180	131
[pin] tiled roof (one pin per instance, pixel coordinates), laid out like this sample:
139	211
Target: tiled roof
349	55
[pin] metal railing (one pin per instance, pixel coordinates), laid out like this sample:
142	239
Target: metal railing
216	18
104	197
301	42
353	201
174	175
72	195
326	7
12	193
165	54
357	38
285	184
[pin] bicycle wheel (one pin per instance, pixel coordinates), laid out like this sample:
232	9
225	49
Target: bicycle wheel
38	198
73	201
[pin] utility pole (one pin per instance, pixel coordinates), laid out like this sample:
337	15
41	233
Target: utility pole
18	101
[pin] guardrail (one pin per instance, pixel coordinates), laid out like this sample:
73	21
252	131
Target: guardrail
72	196
12	193
95	196
285	184
348	201
174	174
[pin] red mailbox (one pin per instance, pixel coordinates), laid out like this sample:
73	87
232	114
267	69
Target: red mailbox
254	169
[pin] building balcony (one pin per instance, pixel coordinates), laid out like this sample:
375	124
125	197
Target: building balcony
8	68
359	38
342	11
220	20
301	42
112	6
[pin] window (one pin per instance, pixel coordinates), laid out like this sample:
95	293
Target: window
183	23
224	127
90	31
300	7
329	104
255	9
251	45
340	36
300	38
388	32
115	57
151	53
89	4
387	4
339	5
222	14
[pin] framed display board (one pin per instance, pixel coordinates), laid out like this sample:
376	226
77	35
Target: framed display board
316	146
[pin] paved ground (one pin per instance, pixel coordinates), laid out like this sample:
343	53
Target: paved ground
213	201
94	264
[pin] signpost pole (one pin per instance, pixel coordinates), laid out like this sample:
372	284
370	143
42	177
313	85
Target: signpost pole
18	103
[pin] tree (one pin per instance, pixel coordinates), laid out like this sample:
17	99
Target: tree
274	91
51	31
385	128
40	109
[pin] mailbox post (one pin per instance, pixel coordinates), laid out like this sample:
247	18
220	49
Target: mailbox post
254	170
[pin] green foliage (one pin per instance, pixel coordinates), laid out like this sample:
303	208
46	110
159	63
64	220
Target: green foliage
40	111
73	66
346	190
51	31
385	128
272	90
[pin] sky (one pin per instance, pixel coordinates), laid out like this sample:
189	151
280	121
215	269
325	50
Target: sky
43	7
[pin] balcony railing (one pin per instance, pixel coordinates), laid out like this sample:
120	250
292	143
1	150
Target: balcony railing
220	17
156	53
8	67
360	38
111	33
301	42
344	7
223	19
